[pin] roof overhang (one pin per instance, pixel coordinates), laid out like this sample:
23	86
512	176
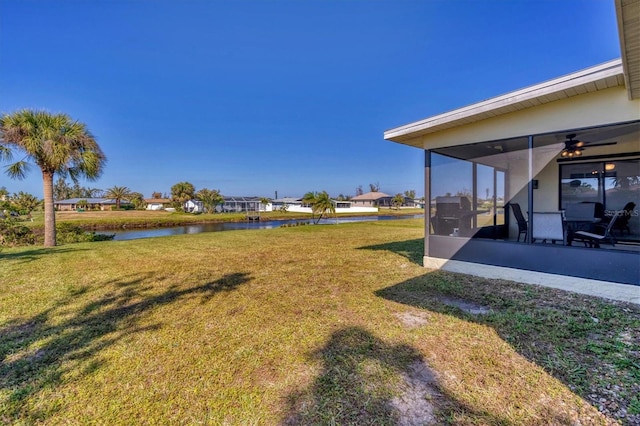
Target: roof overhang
628	15
593	79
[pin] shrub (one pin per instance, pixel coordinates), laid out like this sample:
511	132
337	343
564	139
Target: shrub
67	233
14	234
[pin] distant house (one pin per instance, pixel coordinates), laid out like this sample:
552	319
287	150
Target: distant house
157	203
286	202
193	206
372	199
241	204
378	199
295	205
87	204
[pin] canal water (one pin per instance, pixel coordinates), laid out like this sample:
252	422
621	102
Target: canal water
121	235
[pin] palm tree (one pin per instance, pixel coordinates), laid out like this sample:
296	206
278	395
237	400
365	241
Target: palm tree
118	193
137	199
323	203
61	190
56	144
182	192
210	198
397	201
25	203
310	199
265	201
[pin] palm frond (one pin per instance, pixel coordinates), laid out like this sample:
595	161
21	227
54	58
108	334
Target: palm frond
18	170
5	153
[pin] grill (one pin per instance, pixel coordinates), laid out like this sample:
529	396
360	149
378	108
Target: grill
450	211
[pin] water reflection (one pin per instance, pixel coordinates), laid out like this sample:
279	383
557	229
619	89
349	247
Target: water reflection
234	226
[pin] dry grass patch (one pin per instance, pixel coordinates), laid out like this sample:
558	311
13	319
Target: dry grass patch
307	325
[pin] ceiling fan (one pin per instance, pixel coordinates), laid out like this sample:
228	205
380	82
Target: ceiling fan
573	148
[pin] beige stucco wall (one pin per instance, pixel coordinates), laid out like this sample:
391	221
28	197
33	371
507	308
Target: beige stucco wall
587	110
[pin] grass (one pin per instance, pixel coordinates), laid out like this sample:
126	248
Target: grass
334	324
96	219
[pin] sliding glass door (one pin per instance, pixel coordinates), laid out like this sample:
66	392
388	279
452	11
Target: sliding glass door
614	185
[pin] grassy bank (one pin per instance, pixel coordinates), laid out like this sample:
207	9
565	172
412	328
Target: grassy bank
306	325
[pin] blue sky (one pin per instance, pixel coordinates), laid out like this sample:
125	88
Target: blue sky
253	97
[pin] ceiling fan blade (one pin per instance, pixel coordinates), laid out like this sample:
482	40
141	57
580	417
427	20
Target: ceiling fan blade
588	145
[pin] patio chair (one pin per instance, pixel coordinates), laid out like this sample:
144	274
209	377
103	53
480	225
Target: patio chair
522	223
622	224
591	239
548	226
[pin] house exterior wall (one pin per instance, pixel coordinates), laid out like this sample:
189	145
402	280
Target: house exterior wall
587	110
71	207
363	203
352	209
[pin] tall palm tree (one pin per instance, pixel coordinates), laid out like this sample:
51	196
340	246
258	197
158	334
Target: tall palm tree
118	193
323	203
310	199
56	144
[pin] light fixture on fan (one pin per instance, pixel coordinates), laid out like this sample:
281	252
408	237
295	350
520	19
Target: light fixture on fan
571	152
573	148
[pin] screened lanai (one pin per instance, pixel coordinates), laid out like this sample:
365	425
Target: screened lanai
241	204
479	190
517	181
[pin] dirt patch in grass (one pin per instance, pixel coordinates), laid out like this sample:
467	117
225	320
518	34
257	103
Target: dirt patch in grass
412	319
464	305
416	404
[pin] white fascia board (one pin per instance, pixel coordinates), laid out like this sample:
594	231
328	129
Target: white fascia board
491	107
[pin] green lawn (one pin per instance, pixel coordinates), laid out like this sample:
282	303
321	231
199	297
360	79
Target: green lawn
97	219
334	324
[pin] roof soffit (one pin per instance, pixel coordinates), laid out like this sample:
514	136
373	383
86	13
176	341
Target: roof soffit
600	77
628	15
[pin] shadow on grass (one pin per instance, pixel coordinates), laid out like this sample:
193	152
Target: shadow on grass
37	352
411	249
355	385
365	381
589	344
35	253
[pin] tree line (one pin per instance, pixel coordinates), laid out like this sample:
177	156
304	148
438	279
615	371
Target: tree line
63	147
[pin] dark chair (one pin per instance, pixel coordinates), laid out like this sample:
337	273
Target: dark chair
622	224
592	239
598	209
522	222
